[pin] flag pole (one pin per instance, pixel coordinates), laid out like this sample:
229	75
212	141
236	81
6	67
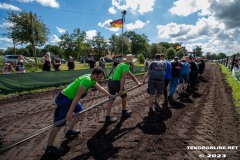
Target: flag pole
123	20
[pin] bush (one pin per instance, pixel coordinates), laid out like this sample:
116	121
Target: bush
31	67
141	58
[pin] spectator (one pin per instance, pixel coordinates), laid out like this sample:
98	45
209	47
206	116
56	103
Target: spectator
92	63
46	62
57	63
71	63
7	69
102	63
238	64
19	64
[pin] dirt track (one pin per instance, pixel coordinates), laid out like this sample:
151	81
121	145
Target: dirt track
208	118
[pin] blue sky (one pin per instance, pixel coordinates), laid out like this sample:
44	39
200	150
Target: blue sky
212	24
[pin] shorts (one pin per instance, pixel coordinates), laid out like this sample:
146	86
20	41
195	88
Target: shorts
184	77
155	86
63	105
114	87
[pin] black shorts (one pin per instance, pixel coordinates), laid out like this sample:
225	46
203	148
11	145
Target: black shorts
155	86
114	87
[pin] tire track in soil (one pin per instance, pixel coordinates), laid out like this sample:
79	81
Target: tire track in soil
210	120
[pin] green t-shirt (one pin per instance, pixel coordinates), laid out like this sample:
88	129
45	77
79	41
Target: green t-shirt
118	71
85	81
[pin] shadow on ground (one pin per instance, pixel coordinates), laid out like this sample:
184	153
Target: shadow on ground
101	144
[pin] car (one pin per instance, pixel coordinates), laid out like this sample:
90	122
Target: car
9	59
13	58
87	60
119	58
29	60
106	59
63	60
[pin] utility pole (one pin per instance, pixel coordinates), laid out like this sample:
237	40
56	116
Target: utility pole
33	38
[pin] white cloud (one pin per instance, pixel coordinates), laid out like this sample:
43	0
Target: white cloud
6	40
218	31
60	30
9	6
136	25
112	10
207	32
5	25
187	7
46	3
90	34
140	6
54	39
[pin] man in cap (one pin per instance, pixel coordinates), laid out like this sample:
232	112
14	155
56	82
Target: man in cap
116	85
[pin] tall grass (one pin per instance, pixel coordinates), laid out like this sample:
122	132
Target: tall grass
234	84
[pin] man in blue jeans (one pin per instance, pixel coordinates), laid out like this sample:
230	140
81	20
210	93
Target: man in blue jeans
176	70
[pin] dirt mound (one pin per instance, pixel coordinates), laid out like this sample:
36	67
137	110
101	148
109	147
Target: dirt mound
207	118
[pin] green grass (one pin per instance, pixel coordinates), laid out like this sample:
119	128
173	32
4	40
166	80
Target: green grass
234	84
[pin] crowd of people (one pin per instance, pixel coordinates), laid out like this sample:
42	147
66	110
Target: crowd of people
17	66
179	75
56	62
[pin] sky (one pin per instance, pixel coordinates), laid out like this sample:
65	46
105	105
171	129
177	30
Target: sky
214	25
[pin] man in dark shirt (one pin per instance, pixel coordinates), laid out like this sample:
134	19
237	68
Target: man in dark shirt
193	74
201	65
176	70
92	63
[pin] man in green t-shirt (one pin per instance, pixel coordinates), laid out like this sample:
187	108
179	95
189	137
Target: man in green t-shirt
116	85
67	102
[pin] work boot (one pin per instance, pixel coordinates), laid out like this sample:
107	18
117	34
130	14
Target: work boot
109	120
126	114
166	102
52	150
170	98
151	112
71	133
157	107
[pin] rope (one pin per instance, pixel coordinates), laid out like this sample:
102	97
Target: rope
21	140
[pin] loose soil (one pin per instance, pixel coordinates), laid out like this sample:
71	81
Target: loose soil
207	118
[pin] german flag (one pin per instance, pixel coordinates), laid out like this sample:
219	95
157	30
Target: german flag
117	23
178	47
